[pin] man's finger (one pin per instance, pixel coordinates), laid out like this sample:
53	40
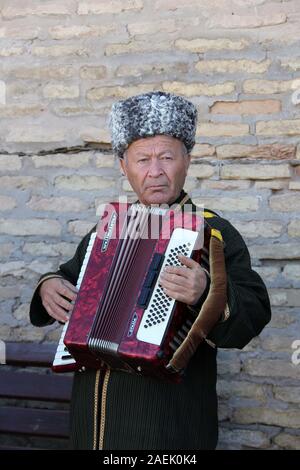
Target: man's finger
66	292
59	300
190	263
69	285
56	312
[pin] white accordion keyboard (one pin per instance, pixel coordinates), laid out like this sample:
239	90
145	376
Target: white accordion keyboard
156	316
62	355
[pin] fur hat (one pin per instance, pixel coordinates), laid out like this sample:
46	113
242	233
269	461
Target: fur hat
152	114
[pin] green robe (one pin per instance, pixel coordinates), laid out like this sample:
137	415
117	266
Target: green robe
134	412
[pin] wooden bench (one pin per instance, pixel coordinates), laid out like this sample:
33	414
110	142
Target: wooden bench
34	402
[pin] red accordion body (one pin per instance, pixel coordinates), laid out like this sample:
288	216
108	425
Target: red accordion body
121	317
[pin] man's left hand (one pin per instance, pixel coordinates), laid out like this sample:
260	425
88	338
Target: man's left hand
184	283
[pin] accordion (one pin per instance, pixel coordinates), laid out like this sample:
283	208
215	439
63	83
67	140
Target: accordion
122	318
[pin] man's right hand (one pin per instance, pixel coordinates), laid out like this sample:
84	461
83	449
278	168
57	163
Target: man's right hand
58	296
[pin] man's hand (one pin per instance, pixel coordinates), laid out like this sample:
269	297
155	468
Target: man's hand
184	283
55	293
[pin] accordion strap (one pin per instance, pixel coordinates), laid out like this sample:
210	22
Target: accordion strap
211	309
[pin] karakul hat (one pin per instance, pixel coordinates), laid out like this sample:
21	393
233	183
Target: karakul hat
152	114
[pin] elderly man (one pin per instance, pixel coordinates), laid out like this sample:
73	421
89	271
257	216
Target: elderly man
153	135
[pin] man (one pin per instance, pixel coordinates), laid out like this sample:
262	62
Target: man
153	135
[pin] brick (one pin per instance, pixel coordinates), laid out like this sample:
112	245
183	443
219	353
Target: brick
271	368
246	107
53	336
57	204
255	171
79	31
281	127
12	268
285	202
222	129
66	160
257	228
225	185
7	203
104	161
18	334
270	86
202	45
273	184
268	273
6	250
40	267
34	133
142	70
118	91
133	47
95	134
203	150
244	437
288	394
232	66
13	9
15	111
10	163
277	343
241	204
20	31
291	64
283	418
21	182
276	251
152	27
61	91
190	184
58	249
22	312
280	319
10	292
294	228
292	272
93	73
83	183
230	21
294	185
58	51
80	227
228	388
196	89
114	6
201	170
287	441
270	151
11	51
26	227
284	297
44	72
126	186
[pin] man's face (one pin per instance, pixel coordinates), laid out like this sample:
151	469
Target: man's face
156	168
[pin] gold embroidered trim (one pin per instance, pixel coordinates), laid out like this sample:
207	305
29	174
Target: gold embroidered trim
96	399
103	408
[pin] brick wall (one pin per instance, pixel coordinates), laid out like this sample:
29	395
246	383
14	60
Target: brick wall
64	63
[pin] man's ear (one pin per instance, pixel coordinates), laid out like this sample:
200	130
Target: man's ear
188	161
122	166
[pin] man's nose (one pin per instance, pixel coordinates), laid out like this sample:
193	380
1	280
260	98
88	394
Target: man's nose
155	168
